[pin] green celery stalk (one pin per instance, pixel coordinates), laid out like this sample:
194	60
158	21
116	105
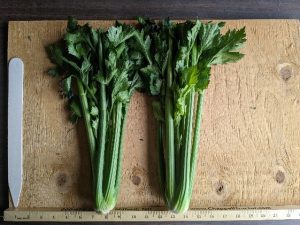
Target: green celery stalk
169	150
109	188
120	154
102	127
87	121
196	139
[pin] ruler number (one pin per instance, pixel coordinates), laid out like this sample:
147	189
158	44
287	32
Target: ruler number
275	215
238	216
211	216
185	216
133	216
146	216
172	216
159	216
250	215
224	215
288	215
262	215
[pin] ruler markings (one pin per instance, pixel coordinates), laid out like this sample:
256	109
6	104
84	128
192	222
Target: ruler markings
136	215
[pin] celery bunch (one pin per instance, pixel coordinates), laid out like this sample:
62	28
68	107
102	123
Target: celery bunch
99	71
182	55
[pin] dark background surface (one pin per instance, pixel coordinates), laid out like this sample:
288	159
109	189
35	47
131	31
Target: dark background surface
125	9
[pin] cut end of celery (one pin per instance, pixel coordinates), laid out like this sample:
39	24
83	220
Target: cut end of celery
181	208
102	211
106	205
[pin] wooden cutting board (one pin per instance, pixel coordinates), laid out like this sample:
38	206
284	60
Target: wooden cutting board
250	138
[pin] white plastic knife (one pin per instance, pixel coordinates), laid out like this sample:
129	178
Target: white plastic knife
15	118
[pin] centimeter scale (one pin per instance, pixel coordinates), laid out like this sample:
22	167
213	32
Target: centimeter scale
224	214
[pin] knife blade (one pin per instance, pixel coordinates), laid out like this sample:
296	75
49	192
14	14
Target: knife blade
15	119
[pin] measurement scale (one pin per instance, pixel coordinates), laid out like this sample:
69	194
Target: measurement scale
149	215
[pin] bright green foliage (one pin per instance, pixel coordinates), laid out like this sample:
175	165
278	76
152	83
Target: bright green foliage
182	56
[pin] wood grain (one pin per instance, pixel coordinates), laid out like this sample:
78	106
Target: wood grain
249	150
